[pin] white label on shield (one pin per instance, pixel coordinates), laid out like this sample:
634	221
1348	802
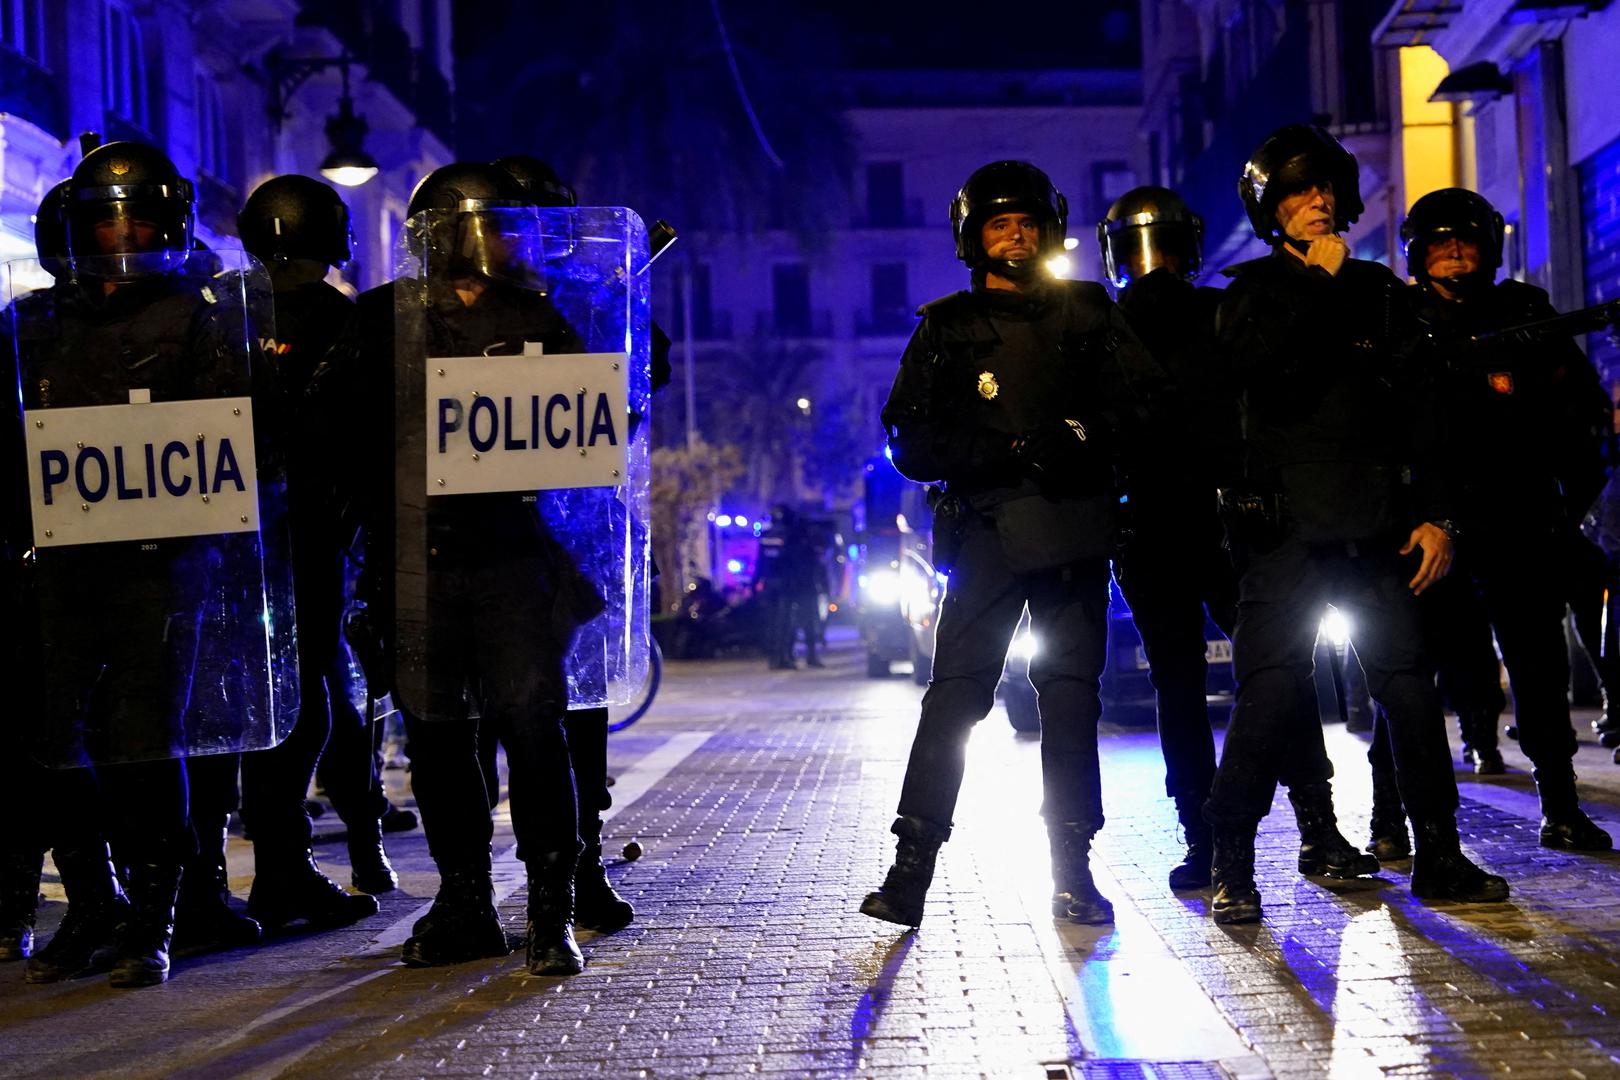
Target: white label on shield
527	423
104	473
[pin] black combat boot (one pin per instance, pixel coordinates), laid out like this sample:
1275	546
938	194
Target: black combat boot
597	906
1440	871
1323	850
461	925
550	932
1564	824
1074	894
370	870
1389	841
900	898
1235	898
19	901
87	941
1479	743
288	887
143	946
1192	872
203	915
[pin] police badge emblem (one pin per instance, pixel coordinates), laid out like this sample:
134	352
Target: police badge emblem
988	387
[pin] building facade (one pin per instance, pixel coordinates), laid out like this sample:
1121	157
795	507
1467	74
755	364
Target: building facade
1534	83
200	80
797	341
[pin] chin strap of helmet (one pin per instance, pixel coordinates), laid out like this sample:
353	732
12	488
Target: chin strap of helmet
1022	271
1465	284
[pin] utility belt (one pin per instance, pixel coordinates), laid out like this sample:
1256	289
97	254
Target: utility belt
1036	533
1254	521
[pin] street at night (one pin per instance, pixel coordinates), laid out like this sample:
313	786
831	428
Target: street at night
761	801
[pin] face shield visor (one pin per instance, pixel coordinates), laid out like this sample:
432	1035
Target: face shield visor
120	234
1136	246
498	242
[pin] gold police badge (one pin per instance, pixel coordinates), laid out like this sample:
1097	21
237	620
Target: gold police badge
119	166
988	387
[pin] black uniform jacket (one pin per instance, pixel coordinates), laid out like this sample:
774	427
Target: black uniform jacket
1333	421
1529	421
988	365
1198	449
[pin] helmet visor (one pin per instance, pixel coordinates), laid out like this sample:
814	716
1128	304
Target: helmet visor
1135	251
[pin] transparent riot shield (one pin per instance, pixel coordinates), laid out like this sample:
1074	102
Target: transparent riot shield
521	402
148	530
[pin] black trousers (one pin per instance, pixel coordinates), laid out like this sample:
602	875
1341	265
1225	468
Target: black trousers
1172	572
491	638
1068	611
1588	574
587	749
1281	598
276	781
1457	638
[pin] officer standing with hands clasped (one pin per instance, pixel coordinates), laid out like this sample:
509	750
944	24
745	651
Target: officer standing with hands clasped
1529	425
1173	566
1341	503
1011	393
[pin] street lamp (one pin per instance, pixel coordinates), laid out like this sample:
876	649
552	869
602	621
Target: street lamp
348	164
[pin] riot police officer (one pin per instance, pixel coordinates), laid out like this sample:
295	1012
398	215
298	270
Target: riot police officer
24	840
597	905
1529	423
1173	566
298	228
1010	393
1325	512
123	648
493	609
784	574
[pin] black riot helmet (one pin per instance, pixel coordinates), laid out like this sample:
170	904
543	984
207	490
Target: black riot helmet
50	231
476	221
128	207
539	179
1147	228
296	217
1448	213
1292	159
1007	187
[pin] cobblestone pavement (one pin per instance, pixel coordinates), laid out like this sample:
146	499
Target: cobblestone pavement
762	802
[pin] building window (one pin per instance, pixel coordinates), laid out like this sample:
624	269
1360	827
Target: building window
123	71
885	194
22	27
891	306
213	143
1109	180
790	299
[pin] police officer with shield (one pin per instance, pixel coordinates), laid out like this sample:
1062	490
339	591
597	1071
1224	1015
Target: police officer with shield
1173	566
148	605
25	839
1529	425
1012	394
1341	502
298	228
474	599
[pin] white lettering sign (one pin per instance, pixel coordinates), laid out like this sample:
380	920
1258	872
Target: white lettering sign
527	423
105	473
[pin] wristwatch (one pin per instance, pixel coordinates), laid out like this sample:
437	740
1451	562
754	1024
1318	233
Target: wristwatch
1449	527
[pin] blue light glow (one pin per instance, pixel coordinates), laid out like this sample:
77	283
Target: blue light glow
734	565
724	521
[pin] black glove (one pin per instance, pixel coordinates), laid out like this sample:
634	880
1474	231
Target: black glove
1057	449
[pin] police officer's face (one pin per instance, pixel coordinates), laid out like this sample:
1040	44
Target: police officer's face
1011	236
1307	214
120	236
1451	257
